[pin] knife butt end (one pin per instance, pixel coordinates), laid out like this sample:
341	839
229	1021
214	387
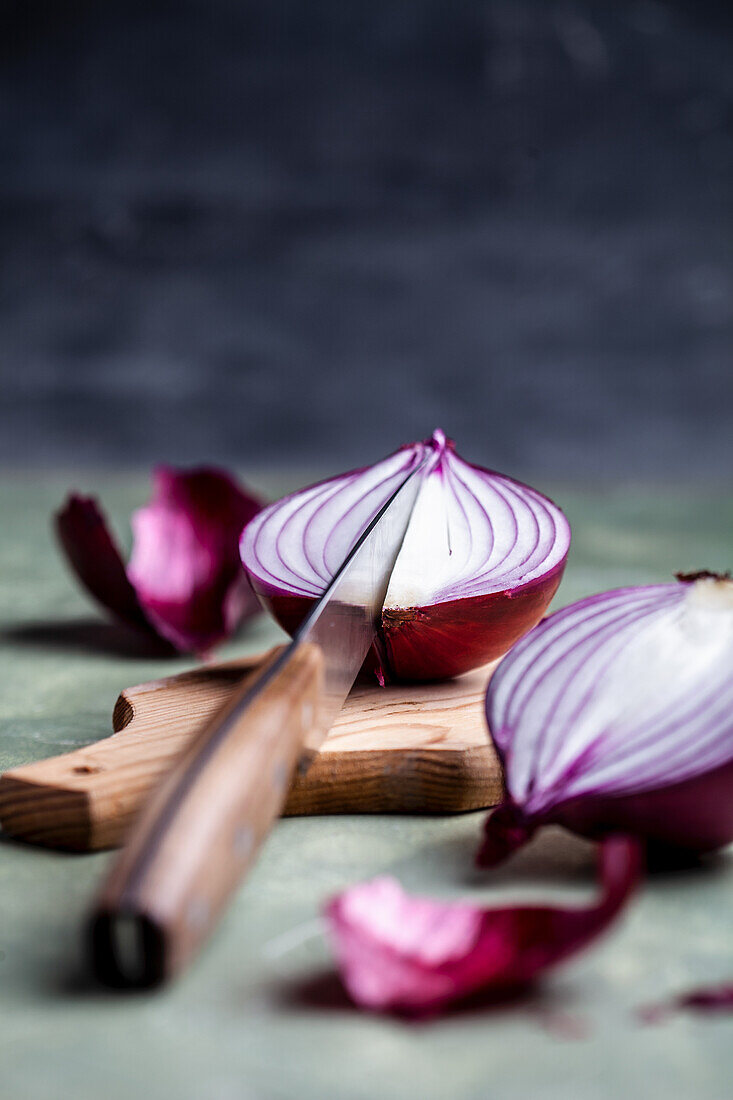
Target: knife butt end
126	950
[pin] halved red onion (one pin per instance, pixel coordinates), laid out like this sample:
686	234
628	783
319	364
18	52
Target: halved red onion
184	582
481	560
397	952
616	715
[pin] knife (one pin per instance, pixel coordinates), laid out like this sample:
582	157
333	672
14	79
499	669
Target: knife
198	835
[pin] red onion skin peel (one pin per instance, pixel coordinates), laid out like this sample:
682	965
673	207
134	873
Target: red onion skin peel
482	559
184	583
616	715
712	1000
93	556
417	955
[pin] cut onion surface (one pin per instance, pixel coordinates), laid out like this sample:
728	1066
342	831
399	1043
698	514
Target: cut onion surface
481	560
616	715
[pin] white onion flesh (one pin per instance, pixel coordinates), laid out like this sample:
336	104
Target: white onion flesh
472	532
626	691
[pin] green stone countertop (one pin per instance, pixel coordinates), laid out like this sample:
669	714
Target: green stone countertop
256	1018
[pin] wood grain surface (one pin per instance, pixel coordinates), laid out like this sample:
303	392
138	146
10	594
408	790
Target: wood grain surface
420	748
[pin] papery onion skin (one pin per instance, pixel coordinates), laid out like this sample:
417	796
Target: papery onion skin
692	815
86	540
464	634
451	634
417	955
184	584
711	999
185	563
695	815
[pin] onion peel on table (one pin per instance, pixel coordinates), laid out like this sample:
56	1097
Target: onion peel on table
184	582
418	955
614	718
712	1000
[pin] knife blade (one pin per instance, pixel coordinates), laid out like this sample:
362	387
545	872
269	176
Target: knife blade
199	833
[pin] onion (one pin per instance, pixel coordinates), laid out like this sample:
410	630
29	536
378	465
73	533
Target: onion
616	715
481	560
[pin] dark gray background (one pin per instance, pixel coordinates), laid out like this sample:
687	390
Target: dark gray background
274	233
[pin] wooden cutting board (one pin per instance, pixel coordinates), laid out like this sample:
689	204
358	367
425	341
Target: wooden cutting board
420	748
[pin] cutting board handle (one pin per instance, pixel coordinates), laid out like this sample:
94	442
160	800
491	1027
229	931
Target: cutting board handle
405	748
87	799
200	831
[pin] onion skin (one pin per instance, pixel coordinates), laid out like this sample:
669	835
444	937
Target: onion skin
417	955
184	584
92	554
448	639
709	999
287	611
694	817
434	643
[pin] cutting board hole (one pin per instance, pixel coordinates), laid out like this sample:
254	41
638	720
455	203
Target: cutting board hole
86	769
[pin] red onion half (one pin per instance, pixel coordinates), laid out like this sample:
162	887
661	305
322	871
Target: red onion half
481	560
616	715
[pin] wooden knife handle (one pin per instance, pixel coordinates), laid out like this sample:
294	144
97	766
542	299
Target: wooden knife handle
199	833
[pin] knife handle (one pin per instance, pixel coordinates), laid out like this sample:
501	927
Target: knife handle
200	832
